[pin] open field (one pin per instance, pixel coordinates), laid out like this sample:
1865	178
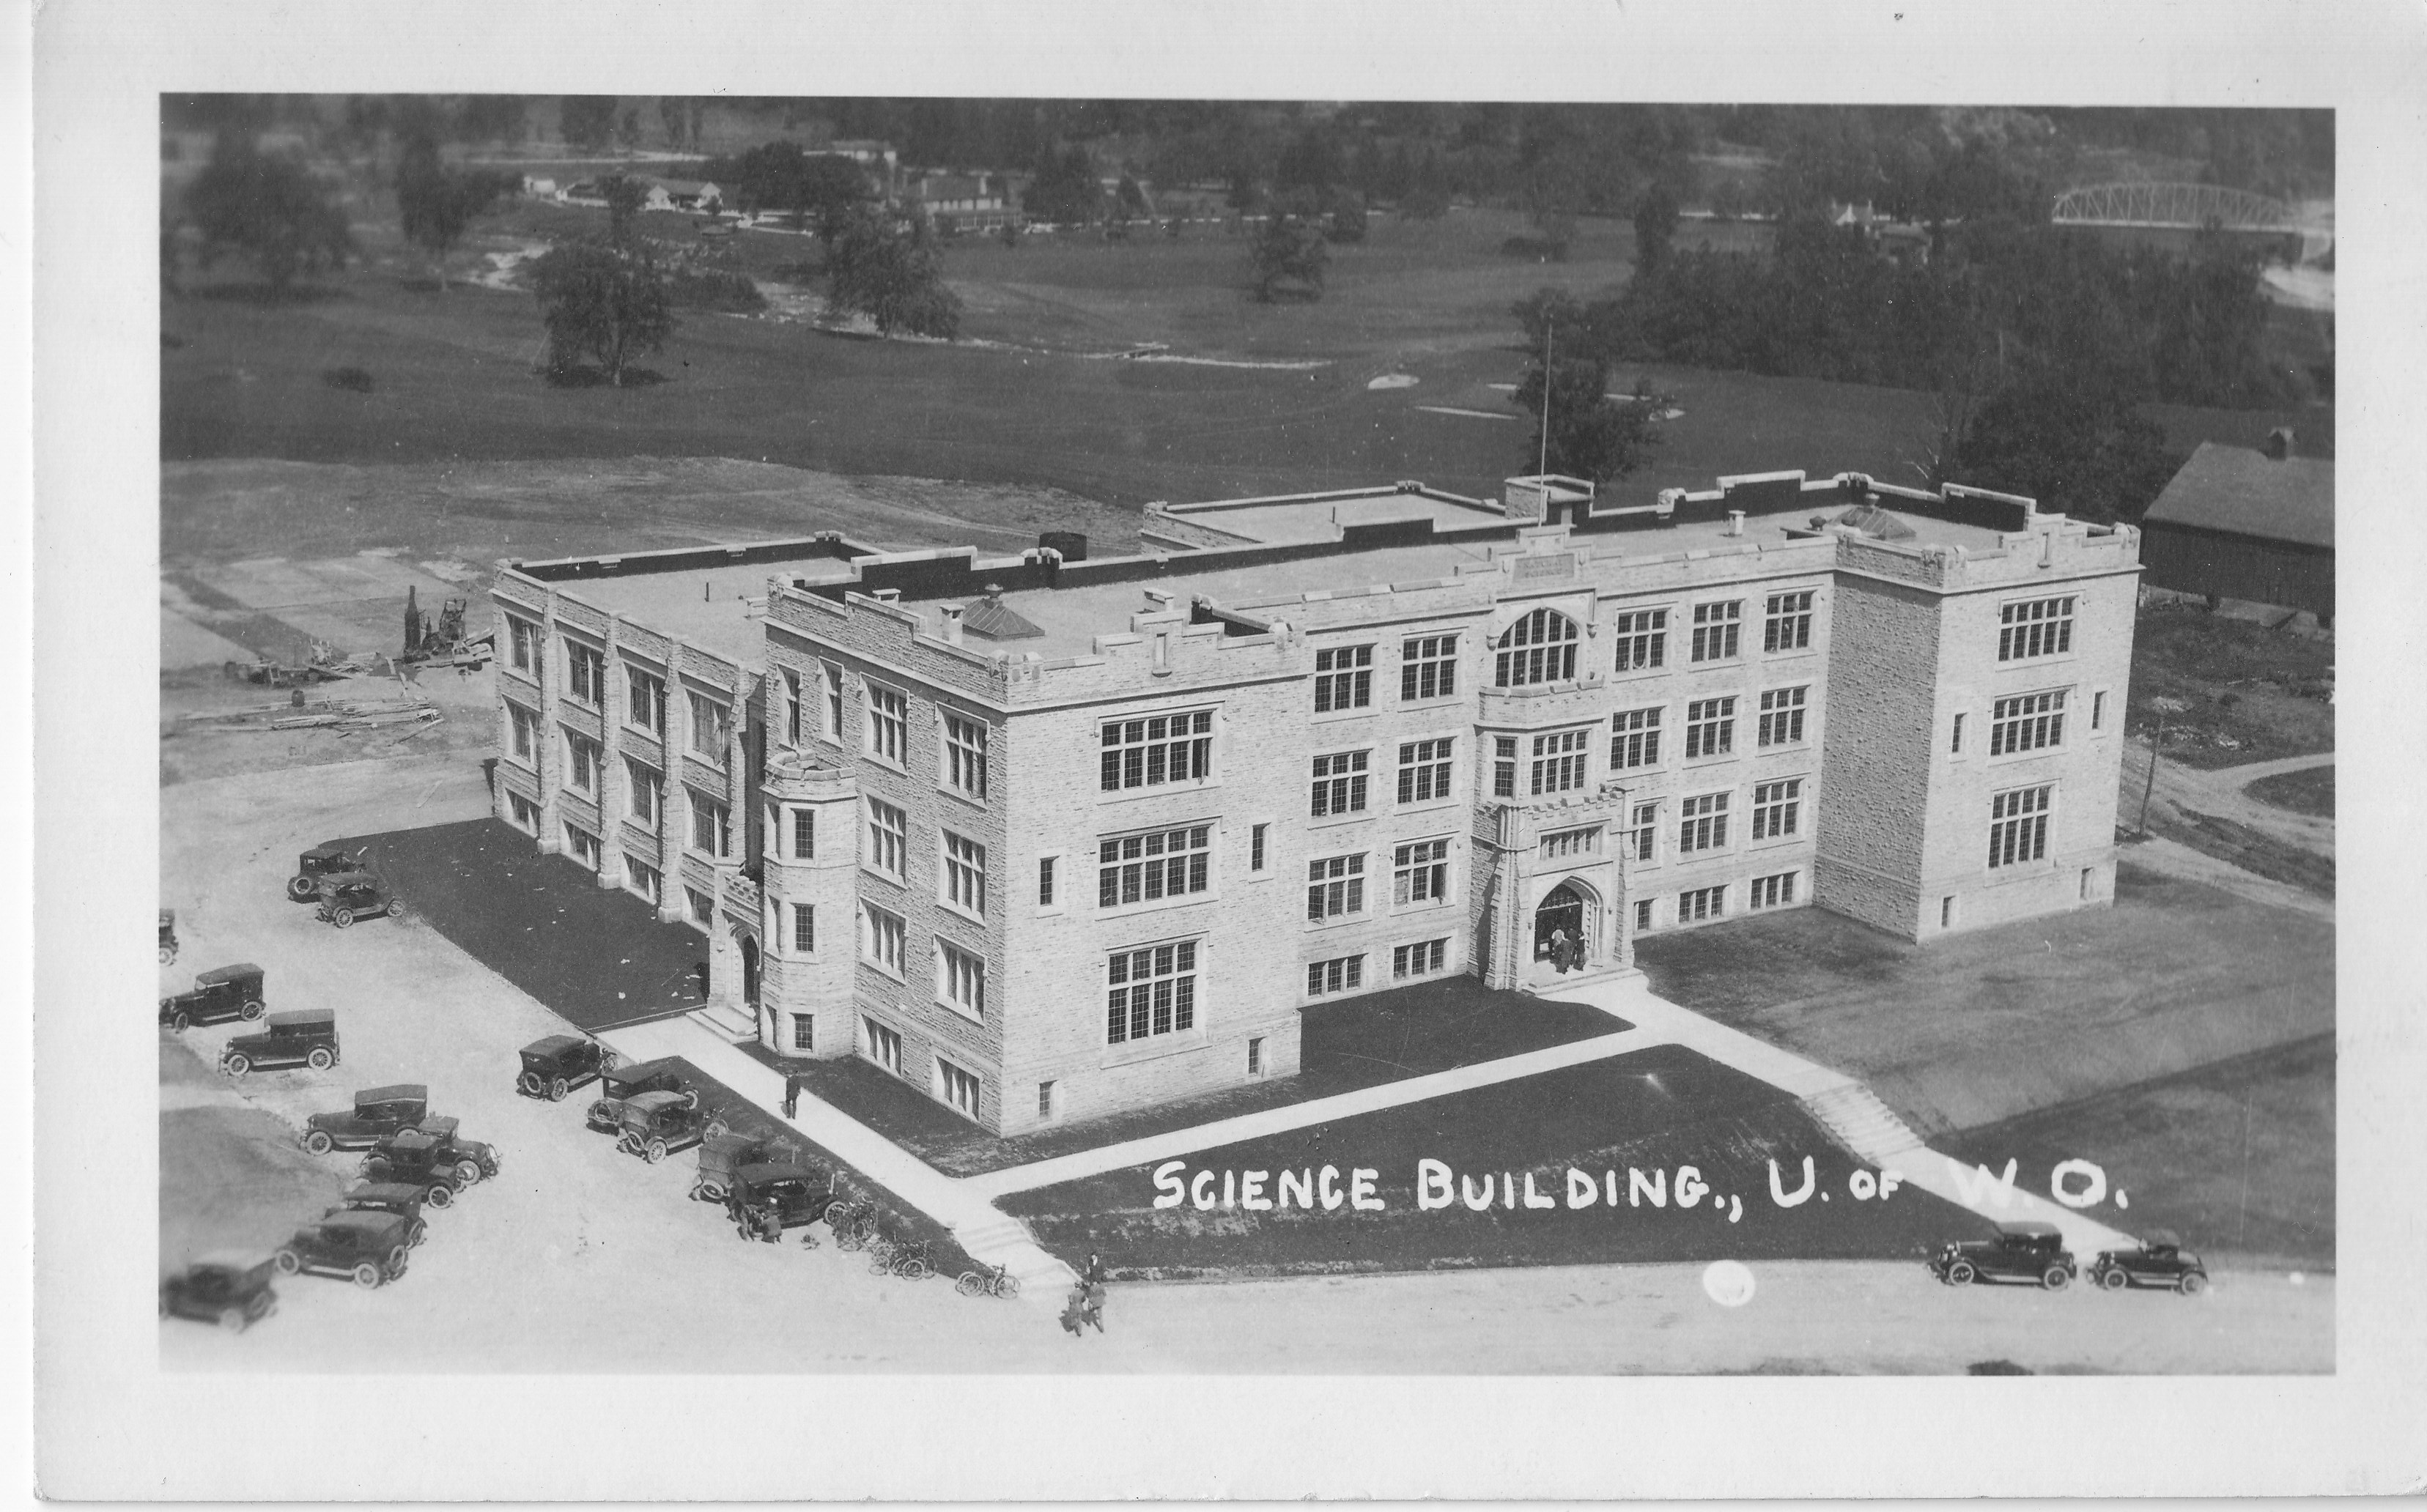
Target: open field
2229	691
2310	793
1989	1025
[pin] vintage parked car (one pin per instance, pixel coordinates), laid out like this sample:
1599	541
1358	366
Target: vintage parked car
368	1246
168	935
2030	1250
352	895
622	1084
305	1037
222	993
656	1124
378	1111
721	1155
320	861
2160	1262
474	1161
229	1287
555	1066
417	1160
769	1198
399	1197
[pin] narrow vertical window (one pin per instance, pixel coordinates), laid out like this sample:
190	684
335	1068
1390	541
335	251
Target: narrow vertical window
1044	881
1256	847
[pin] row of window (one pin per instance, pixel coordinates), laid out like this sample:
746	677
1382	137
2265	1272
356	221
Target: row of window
1695	905
1347	973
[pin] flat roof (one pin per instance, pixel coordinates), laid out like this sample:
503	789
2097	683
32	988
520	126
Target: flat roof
705	606
1281	521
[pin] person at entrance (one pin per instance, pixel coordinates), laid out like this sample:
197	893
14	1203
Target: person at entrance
792	1093
1562	951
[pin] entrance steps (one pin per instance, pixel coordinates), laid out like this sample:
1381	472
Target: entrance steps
999	1239
728	1023
1856	1118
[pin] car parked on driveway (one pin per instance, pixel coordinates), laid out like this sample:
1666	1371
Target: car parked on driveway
473	1159
352	895
557	1064
721	1155
656	1124
769	1198
622	1084
229	1287
221	994
320	861
368	1247
377	1113
399	1197
417	1160
2029	1250
2160	1262
308	1036
168	935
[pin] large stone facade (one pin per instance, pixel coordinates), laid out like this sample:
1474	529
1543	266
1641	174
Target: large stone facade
1048	887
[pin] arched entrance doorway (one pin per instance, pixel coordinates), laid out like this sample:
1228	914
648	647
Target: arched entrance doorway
749	971
1564	917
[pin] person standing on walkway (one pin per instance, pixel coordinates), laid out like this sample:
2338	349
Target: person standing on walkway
1093	1273
1560	950
791	1094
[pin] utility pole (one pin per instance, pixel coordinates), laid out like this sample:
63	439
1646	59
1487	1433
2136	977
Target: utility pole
2156	740
1543	464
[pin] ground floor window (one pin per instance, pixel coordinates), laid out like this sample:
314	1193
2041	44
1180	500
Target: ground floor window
1772	892
884	1046
959	1087
703	907
804	1031
1045	1100
1255	1057
2018	825
583	845
1701	902
1421	959
526	813
1150	992
1338	975
1643	917
641	878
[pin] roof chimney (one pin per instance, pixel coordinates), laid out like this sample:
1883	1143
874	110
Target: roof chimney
952	623
2280	443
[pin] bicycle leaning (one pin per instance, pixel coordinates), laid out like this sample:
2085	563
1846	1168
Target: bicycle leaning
988	1280
908	1260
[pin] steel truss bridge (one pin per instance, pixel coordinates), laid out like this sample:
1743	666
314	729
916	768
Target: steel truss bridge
2186	207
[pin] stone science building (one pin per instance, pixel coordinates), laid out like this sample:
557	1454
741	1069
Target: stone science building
1050	837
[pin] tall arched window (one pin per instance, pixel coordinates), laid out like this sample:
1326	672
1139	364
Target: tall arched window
1542	647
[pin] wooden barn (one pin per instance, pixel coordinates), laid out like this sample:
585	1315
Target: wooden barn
2255	524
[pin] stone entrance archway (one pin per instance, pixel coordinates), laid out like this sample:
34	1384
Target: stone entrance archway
1570	913
749	971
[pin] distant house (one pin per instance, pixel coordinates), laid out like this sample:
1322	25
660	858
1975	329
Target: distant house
959	201
688	196
2237	523
539	186
879	157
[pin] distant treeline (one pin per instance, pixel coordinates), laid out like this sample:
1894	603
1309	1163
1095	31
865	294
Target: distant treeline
1998	297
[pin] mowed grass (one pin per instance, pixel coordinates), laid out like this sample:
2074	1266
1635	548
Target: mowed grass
2310	793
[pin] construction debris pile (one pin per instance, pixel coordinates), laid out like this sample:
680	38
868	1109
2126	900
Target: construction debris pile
347	716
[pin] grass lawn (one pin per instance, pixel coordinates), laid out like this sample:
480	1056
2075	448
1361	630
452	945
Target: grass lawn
2253	850
1982	1027
231	1177
2310	793
2238	1157
2187	664
1658	1107
1361	1042
594	956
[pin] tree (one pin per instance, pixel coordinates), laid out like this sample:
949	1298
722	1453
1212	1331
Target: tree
1065	189
587	120
2082	450
894	277
1132	200
265	208
1656	229
625	196
437	203
820	188
1592	435
1288	257
602	301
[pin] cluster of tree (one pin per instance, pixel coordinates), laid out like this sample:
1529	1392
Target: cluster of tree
1287	258
436	203
263	206
893	275
604	299
1063	188
819	189
1582	432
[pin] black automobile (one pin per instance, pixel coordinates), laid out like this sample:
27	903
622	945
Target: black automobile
222	993
368	1246
474	1161
557	1064
2160	1262
420	1161
722	1156
399	1197
2030	1250
768	1199
621	1086
656	1124
305	1037
168	935
320	861
227	1287
347	896
377	1113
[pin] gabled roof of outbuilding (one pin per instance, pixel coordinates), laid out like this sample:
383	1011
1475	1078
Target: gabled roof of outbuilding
2246	493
